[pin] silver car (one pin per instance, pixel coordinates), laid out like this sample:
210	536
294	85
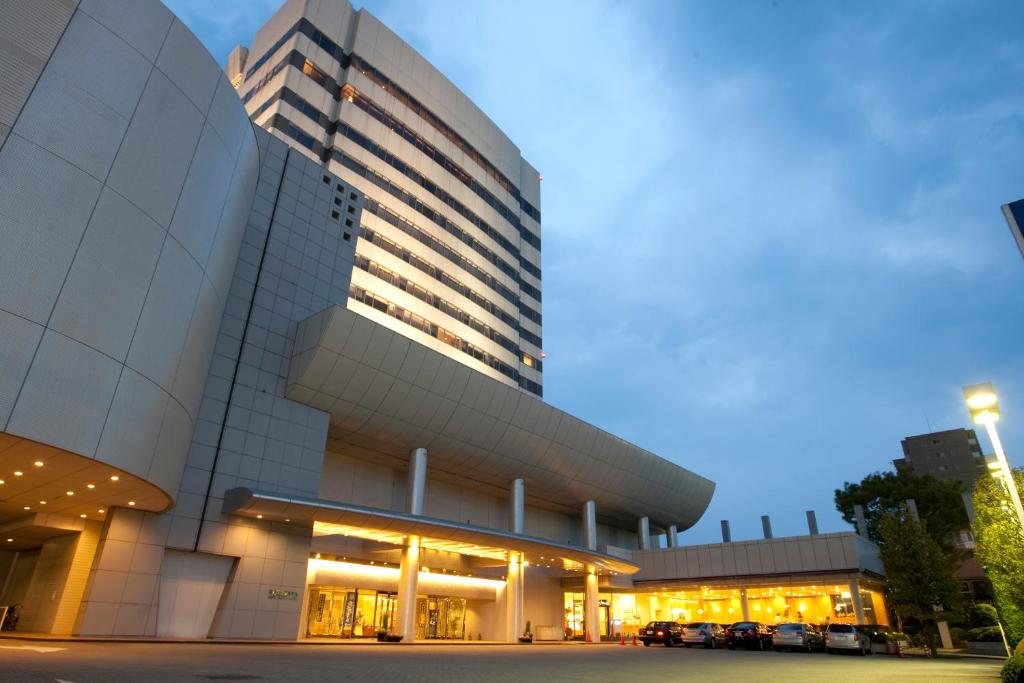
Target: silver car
839	637
796	637
703	633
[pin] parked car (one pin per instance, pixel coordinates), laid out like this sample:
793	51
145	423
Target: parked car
704	633
749	634
667	632
877	637
846	637
795	636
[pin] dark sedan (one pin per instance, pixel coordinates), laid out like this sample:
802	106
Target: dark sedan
749	634
667	632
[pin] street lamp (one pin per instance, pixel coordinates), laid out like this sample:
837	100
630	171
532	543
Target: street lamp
983	404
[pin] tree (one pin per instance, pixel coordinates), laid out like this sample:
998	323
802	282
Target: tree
884	493
1000	549
921	582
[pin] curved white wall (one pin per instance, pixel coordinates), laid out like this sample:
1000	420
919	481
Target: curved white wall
125	184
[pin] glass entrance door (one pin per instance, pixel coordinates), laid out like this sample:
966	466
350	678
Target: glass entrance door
440	617
384	615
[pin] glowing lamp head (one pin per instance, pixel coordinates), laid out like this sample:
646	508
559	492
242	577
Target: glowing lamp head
982	402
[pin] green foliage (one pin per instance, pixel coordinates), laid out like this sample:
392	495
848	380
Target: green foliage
1013	670
957	634
1000	549
983	614
920	575
938	502
985	634
1019	650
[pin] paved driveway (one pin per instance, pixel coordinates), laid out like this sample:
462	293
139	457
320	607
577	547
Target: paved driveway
81	662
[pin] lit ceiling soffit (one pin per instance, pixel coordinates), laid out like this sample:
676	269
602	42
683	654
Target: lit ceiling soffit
388	393
387	526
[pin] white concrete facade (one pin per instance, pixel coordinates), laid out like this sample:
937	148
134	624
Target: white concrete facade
177	324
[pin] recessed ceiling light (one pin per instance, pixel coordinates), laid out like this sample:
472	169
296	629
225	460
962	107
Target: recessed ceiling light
10	540
287	520
70	493
18	473
90	486
101	511
82	515
131	502
38	463
114	477
42	502
2	481
28	507
259	516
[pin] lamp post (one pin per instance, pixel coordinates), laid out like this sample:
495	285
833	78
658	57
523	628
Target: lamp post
983	404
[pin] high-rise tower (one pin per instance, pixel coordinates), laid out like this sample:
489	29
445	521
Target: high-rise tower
449	242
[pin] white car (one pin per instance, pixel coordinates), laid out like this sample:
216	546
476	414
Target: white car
840	637
703	633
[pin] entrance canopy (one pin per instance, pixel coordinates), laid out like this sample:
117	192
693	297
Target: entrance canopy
388	526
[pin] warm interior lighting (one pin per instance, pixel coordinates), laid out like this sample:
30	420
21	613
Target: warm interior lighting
114	477
18	473
101	511
257	516
70	493
131	502
82	515
90	486
42	502
38	463
27	507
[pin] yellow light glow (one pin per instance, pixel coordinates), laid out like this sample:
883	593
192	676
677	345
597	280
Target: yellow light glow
114	477
18	473
101	511
90	486
38	463
82	515
70	493
131	502
982	402
10	540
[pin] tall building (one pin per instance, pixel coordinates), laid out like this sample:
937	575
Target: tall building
951	455
449	249
226	409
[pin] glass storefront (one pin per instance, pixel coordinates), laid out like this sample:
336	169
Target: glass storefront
361	613
817	604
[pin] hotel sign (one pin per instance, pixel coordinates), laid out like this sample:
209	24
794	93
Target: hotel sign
279	594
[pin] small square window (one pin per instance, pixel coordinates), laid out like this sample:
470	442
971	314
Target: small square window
327	180
335	215
345	236
350	209
337	201
352	196
339	188
348	222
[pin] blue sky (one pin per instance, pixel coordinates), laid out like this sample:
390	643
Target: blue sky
772	238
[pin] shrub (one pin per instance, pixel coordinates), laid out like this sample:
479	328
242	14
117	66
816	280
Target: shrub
983	614
958	634
985	634
1013	670
1019	650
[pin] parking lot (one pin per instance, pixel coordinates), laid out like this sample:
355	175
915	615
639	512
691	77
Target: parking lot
83	662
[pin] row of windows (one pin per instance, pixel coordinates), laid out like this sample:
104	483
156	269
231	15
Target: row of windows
408	317
305	27
281	123
286	95
443	305
438	274
442	160
381	211
396	191
294	58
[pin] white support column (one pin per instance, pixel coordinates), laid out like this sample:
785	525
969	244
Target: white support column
516	506
744	605
416	493
643	532
672	536
591	609
590	525
408	583
514	597
858	606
